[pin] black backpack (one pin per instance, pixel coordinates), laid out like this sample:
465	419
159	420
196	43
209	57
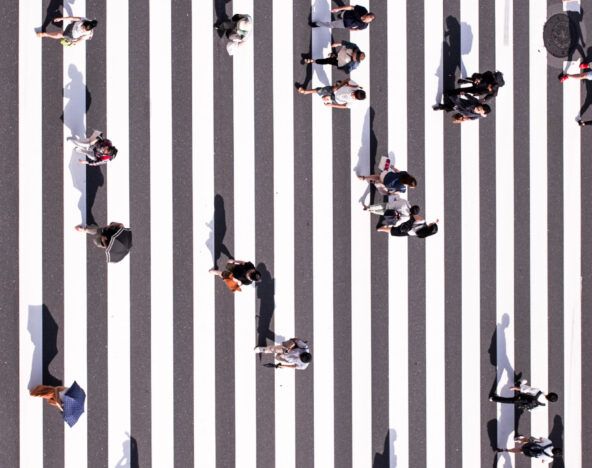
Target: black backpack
534	450
499	79
527	402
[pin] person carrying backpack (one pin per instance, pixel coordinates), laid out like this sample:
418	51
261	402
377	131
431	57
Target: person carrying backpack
96	149
345	55
526	398
540	448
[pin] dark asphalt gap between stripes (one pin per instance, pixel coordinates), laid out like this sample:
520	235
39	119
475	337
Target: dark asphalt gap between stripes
303	234
224	236
9	216
416	135
264	260
182	167
140	259
488	249
53	226
96	272
522	325
377	141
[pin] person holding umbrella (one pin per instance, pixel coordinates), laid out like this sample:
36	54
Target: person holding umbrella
115	238
68	400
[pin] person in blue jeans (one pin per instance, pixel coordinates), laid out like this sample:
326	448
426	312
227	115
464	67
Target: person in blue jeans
352	17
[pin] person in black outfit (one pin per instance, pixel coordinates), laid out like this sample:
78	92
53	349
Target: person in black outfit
467	107
243	273
484	86
354	18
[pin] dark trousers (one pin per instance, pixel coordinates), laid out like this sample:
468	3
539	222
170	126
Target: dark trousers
501	399
327	61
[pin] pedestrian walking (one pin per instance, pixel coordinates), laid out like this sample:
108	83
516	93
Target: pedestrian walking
237	30
540	448
395	212
352	17
97	149
68	400
391	182
484	86
339	95
585	74
101	235
293	353
53	395
467	107
345	55
415	226
526	397
237	274
76	30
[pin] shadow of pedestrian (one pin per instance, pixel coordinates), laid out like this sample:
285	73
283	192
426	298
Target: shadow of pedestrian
366	162
556	436
54	10
266	296
129	459
575	31
79	100
43	330
383	460
454	45
220	230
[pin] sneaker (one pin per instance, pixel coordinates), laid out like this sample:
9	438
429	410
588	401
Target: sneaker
313	24
563	78
581	123
584	66
258	349
499	450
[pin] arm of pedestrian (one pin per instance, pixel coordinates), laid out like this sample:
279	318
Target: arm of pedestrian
336	106
384	229
343	8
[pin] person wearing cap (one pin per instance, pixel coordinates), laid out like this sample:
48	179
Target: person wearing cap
352	17
292	354
339	95
345	55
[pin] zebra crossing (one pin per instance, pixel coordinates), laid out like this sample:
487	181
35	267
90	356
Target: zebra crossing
220	155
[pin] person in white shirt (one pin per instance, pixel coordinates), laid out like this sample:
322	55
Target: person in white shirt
338	95
293	353
526	398
77	29
540	448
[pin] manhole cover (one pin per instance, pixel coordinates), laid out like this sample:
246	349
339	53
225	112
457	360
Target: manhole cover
558	35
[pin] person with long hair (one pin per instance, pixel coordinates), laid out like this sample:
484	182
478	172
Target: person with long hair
391	182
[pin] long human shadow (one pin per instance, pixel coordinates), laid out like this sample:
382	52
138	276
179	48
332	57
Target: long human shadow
221	15
368	145
458	41
266	296
575	31
308	68
44	334
500	432
54	10
383	460
220	230
556	436
79	101
129	459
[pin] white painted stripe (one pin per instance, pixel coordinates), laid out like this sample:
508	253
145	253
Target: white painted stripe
161	232
30	235
322	222
539	361
204	331
470	257
397	251
434	200
118	281
361	291
572	273
283	216
244	246
75	292
504	144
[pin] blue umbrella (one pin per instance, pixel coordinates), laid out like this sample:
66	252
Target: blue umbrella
73	404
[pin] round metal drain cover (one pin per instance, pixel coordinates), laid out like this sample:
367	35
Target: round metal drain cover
558	35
